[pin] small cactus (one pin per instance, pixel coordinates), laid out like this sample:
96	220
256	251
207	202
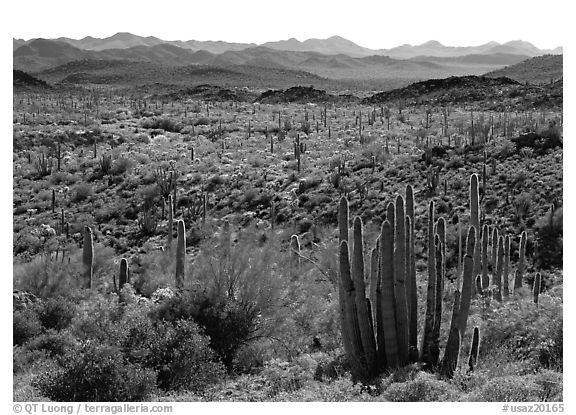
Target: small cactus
123	277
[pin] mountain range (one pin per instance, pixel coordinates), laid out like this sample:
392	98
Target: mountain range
331	46
99	60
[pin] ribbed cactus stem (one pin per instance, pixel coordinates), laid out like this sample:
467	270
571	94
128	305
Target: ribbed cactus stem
521	262
484	257
537	287
467	282
497	278
343	219
391	216
366	332
388	338
494	248
180	255
88	257
473	359
475	220
294	252
123	277
411	294
373	280
350	326
506	269
426	358
401	304
170	237
452	352
435	349
412	290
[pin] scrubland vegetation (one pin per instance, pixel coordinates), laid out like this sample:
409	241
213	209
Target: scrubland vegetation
155	256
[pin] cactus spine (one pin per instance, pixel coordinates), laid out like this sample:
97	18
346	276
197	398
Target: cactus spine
180	255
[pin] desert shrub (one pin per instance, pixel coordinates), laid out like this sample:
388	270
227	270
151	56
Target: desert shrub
178	352
25	325
506	337
47	278
549	235
228	323
55	313
425	387
122	165
81	191
52	342
96	373
165	124
508	389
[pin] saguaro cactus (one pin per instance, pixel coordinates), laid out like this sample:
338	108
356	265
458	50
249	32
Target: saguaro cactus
88	257
180	255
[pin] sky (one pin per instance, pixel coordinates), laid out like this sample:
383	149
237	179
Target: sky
373	24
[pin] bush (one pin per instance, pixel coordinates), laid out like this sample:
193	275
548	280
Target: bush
54	343
81	192
178	352
549	233
56	313
228	323
96	373
423	388
25	325
508	389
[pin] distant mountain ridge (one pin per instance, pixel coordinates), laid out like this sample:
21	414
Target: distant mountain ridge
331	46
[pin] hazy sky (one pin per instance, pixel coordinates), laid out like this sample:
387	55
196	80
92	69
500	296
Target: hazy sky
374	24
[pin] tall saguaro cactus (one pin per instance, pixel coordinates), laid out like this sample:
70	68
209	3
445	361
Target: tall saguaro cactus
180	255
88	257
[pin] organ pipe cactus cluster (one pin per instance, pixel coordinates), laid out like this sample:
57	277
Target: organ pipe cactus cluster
379	324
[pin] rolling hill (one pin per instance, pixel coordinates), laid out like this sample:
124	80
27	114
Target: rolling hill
538	70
